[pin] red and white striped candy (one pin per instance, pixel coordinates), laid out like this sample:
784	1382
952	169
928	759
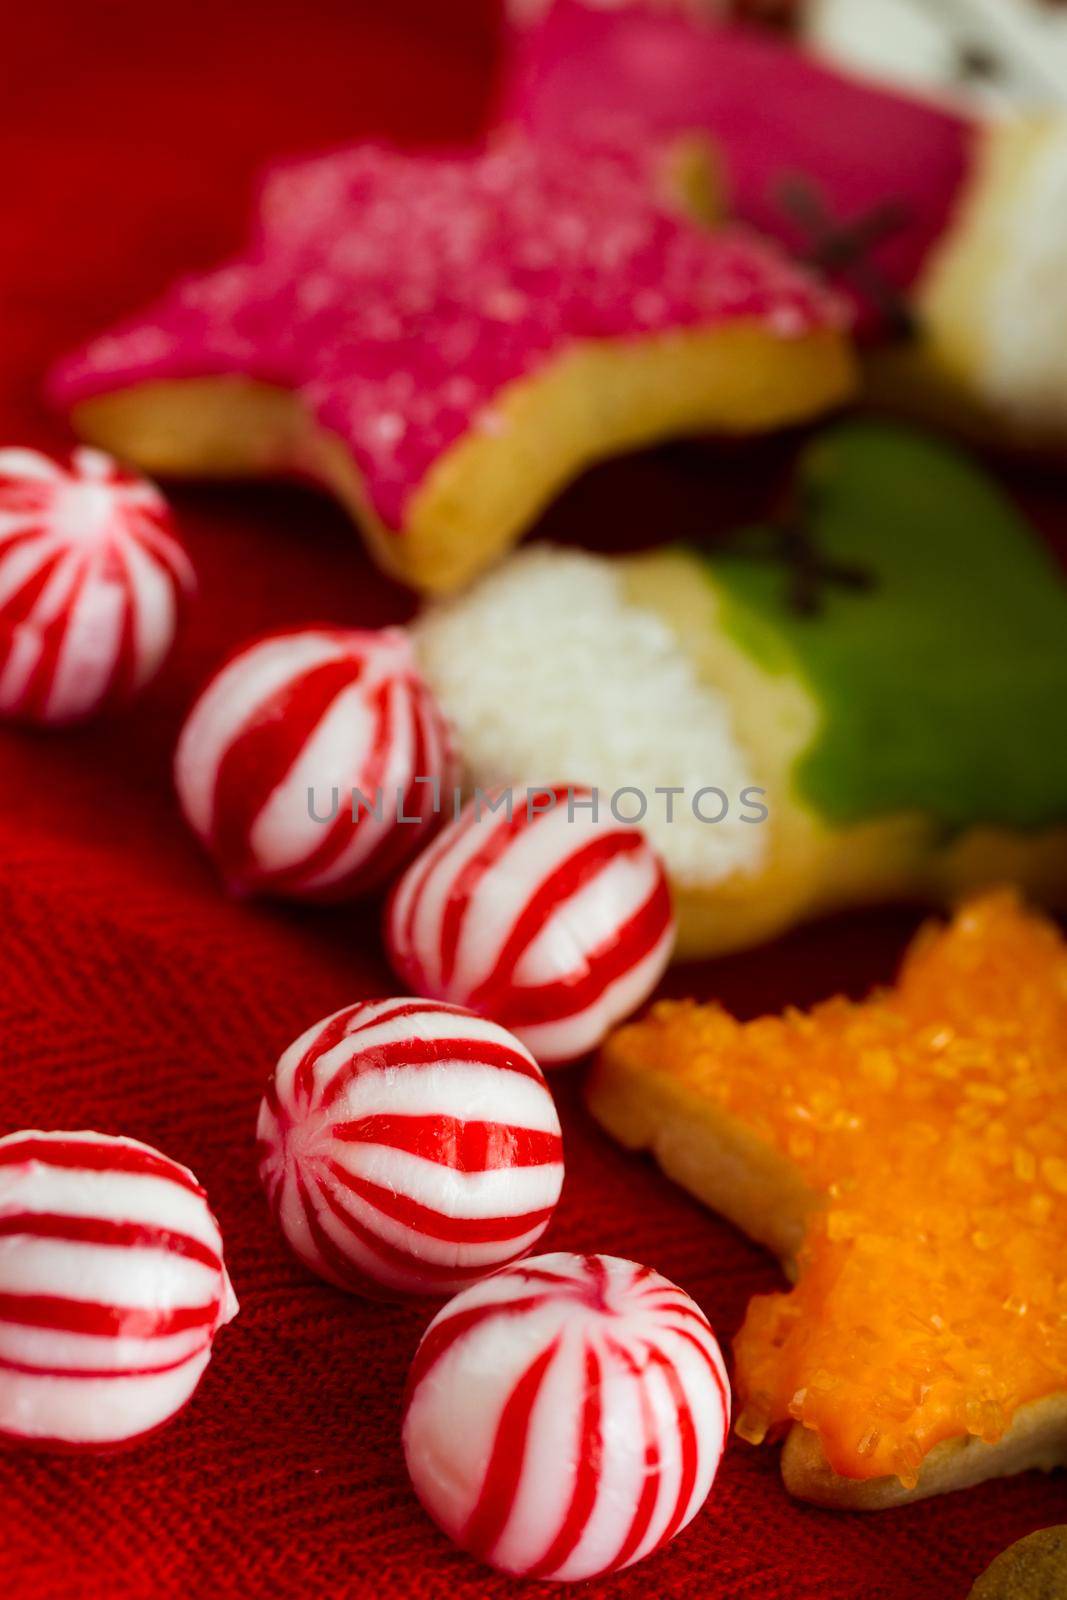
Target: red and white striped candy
555	924
409	1147
112	1288
566	1417
281	738
91	580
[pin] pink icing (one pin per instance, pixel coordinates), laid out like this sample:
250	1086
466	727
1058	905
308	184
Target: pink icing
399	294
772	113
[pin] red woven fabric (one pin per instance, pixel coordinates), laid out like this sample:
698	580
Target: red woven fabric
135	998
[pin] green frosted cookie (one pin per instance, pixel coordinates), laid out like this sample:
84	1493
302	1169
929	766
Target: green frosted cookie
928	623
868	692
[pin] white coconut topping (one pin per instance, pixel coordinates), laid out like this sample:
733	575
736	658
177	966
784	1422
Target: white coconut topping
551	675
1025	357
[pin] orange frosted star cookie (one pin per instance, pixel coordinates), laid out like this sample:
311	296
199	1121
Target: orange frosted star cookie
906	1157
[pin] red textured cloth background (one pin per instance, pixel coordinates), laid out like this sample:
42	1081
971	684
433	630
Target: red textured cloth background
135	998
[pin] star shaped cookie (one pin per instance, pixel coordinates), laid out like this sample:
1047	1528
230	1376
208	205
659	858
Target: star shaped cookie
445	341
906	1157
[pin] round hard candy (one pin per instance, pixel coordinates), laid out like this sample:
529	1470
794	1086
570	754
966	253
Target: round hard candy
112	1289
92	579
566	1417
313	764
409	1147
554	921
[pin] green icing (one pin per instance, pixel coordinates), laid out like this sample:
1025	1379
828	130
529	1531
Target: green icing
944	685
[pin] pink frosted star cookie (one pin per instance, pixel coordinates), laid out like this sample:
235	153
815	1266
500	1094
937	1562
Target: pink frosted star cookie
445	341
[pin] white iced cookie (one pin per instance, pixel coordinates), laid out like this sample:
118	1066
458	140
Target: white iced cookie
548	668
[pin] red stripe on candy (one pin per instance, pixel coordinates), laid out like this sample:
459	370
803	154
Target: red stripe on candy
338	1264
429	1275
102	1231
687	1439
424	1219
653	1478
723	1391
414	884
564	997
343	832
566	880
328	1035
446	1330
587	1462
51	637
90	1155
90	1316
497	842
453	1142
30	1370
123	675
19	605
265	750
495	1503
417	1052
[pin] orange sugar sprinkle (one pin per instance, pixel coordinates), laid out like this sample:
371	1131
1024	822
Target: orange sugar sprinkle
931	1299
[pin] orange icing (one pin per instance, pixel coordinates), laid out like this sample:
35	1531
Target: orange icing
931	1299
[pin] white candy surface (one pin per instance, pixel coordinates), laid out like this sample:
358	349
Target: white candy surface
409	1147
566	1416
92	577
313	763
554	923
112	1288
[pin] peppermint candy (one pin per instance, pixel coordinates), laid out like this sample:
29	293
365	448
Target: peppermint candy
409	1147
566	1417
92	579
112	1288
313	763
554	921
